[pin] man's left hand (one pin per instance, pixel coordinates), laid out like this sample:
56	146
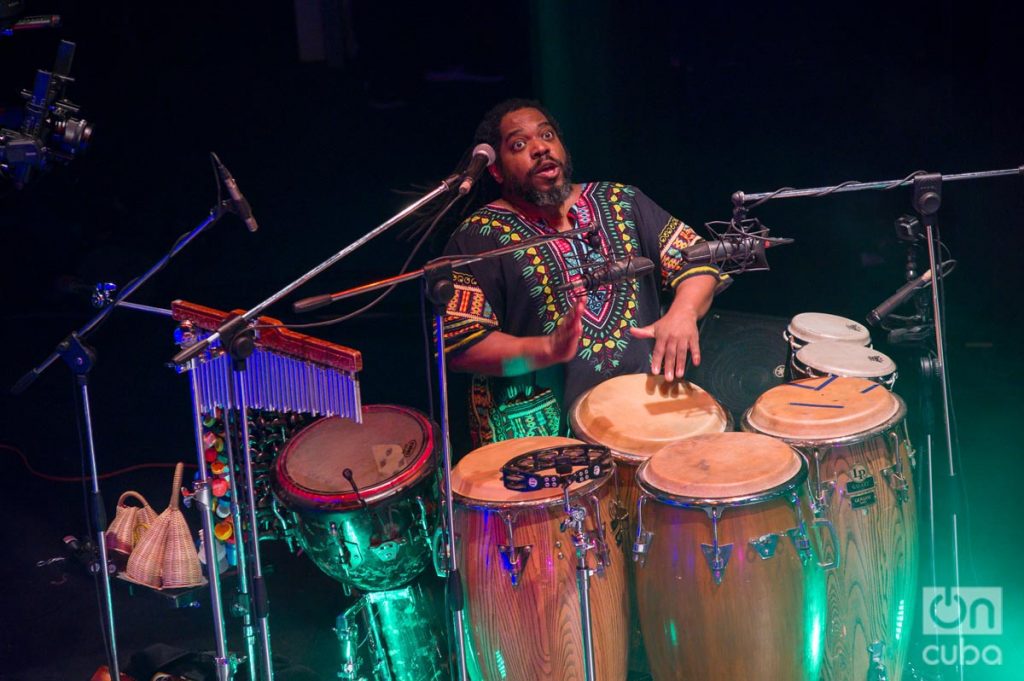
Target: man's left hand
675	335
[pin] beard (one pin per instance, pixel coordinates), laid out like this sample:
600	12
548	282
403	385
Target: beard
545	197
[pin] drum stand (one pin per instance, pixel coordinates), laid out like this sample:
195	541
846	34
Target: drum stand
581	540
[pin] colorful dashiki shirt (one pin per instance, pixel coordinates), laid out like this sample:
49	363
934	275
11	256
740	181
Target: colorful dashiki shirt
518	293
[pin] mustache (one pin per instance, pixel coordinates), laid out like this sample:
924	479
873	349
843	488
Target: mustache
547	159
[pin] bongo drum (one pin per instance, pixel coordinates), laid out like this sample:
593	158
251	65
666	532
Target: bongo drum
815	327
853	435
518	572
727	584
635	415
362	496
835	358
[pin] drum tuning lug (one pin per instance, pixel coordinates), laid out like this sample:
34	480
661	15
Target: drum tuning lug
877	670
717	556
514	559
898	483
765	545
801	543
641	546
619	522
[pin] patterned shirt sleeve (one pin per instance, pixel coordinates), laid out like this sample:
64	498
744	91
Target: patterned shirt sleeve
669	236
674	237
469	317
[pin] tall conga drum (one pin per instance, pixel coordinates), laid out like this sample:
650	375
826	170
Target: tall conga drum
727	583
518	572
635	415
853	435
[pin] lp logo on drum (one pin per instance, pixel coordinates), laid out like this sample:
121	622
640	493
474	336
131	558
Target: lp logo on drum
978	610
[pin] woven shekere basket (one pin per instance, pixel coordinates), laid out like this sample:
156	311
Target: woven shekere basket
165	557
129	524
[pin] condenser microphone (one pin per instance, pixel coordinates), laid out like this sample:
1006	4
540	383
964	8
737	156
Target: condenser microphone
895	300
611	272
241	205
740	247
483	156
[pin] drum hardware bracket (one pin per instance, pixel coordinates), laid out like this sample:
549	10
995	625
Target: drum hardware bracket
619	522
344	554
388	550
513	557
642	543
600	544
798	534
765	545
877	670
717	555
894	473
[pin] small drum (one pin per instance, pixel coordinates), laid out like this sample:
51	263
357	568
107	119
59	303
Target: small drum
518	572
835	358
362	495
635	415
853	435
727	586
815	327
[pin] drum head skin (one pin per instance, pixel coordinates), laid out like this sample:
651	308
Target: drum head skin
823	408
812	327
476	479
722	467
845	359
388	451
635	415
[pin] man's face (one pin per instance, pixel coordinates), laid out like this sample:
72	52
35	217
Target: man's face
532	163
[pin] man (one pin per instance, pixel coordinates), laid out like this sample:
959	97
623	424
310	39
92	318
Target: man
534	349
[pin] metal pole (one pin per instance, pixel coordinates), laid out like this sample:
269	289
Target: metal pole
99	527
455	599
202	496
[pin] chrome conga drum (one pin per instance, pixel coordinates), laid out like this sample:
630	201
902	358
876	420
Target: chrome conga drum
727	584
363	496
853	435
518	572
835	358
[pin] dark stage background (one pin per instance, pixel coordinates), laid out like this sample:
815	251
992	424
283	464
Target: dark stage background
688	101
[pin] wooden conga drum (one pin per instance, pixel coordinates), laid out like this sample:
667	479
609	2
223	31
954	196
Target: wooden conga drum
727	584
635	415
518	572
852	433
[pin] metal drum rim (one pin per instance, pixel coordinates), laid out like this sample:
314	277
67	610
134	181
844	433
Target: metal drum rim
682	501
852	439
293	494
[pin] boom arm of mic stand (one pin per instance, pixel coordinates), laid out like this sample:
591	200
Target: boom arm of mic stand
314	302
25	381
194	350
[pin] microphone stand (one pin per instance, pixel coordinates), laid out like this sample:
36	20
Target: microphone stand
81	358
439	288
926	200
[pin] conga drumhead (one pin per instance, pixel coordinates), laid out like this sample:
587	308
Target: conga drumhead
386	453
635	415
723	468
824	409
476	479
845	359
812	327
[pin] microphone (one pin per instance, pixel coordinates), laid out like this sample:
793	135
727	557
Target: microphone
610	272
31	24
483	156
738	247
895	300
242	207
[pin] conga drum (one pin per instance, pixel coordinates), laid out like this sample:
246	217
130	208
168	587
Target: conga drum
853	435
518	572
835	358
727	583
635	415
362	496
